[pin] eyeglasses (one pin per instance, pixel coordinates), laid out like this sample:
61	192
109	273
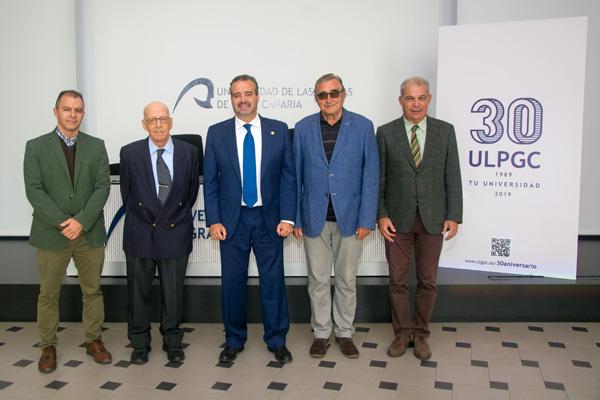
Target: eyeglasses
334	94
154	121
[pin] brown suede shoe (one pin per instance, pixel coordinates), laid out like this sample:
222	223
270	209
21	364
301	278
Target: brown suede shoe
319	348
47	361
422	350
398	346
97	350
347	347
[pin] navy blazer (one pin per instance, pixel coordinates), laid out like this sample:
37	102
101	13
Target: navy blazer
351	178
153	230
223	182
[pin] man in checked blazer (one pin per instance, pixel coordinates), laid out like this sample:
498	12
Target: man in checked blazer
420	203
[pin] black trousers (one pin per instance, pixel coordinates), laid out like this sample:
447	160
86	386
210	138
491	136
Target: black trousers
140	272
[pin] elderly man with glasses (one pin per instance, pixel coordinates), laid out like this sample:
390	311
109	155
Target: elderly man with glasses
337	175
159	186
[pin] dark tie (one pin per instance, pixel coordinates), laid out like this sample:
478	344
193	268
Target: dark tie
414	146
249	194
164	176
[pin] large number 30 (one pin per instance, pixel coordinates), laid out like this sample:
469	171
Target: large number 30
523	121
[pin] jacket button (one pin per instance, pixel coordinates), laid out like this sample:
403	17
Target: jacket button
70	196
180	203
154	225
140	204
172	225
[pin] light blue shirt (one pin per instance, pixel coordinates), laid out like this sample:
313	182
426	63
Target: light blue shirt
167	156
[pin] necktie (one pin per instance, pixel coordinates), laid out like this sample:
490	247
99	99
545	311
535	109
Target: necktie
249	194
164	176
414	146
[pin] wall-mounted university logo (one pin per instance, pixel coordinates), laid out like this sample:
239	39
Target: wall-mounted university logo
522	125
210	92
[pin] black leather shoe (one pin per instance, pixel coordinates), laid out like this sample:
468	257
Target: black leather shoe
175	354
229	354
282	354
140	356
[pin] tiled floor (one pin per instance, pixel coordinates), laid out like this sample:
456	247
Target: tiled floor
470	361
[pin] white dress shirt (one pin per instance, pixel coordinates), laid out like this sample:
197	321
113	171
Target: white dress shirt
240	134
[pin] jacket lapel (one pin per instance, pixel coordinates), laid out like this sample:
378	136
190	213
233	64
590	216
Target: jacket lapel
80	155
432	136
343	137
402	140
231	148
56	148
317	138
146	165
265	135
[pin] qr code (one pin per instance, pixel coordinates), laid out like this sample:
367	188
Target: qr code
501	247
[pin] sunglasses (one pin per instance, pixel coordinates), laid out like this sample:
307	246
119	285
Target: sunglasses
334	94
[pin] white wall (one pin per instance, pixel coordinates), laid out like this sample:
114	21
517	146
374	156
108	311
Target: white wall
37	44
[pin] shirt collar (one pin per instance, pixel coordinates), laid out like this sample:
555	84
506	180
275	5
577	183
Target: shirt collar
168	147
422	125
70	142
255	122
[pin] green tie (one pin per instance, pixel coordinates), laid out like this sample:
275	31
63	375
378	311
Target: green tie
414	146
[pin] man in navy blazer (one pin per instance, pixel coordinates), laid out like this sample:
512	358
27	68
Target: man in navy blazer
337	171
159	186
250	202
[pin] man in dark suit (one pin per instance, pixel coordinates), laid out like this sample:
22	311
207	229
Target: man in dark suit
250	201
159	186
67	183
420	202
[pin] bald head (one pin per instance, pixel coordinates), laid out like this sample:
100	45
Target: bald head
157	122
156	106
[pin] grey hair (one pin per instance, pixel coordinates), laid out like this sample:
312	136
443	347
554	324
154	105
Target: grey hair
414	80
326	78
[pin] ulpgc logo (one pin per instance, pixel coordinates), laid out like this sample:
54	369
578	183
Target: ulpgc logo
210	92
522	123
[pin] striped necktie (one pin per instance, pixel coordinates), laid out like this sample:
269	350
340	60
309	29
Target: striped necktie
414	146
164	176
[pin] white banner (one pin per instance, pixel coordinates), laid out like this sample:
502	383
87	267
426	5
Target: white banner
514	92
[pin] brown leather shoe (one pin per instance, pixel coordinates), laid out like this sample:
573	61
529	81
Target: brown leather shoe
97	350
47	361
347	347
318	349
422	350
398	346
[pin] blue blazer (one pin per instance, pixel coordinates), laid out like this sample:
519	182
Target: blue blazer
153	230
351	178
223	182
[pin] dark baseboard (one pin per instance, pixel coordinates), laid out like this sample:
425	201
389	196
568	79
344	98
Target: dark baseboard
455	303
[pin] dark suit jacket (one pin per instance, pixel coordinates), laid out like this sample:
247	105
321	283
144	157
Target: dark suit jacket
436	187
154	230
55	198
222	177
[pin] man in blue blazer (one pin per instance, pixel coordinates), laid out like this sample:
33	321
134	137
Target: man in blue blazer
337	170
250	202
159	186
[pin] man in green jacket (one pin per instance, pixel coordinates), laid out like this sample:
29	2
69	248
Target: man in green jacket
67	183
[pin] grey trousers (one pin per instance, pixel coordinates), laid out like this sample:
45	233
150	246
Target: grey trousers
344	252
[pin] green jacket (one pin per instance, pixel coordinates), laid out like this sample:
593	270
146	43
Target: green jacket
54	198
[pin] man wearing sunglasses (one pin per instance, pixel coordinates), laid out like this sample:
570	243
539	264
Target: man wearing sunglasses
420	202
337	169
